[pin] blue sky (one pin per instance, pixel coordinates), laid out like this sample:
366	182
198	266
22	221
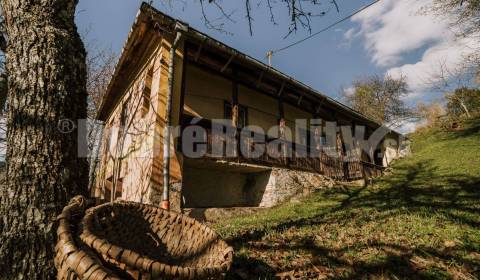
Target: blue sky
390	37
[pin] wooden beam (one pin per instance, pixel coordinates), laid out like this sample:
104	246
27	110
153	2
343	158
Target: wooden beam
281	128
200	47
249	81
280	92
254	81
184	83
319	106
335	115
234	98
300	100
228	63
281	111
259	81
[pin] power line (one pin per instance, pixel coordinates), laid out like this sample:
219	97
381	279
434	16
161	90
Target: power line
271	52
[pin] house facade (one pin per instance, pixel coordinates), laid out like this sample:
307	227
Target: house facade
186	109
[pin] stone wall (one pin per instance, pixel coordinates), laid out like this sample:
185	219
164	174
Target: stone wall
216	188
285	184
219	188
262	190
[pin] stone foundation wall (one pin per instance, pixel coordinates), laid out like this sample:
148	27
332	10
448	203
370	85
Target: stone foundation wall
210	188
265	189
285	184
207	188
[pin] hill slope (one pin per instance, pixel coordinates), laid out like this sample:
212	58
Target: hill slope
421	221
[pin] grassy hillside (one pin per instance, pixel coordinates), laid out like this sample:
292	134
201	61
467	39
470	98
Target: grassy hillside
420	222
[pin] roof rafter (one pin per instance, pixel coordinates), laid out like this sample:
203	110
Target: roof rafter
228	63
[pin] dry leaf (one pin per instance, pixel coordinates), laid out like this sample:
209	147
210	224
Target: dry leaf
449	244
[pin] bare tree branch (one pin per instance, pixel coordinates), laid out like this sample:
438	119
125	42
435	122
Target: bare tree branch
381	99
249	17
100	67
270	9
300	12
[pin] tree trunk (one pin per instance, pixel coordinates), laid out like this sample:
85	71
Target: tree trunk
46	85
464	108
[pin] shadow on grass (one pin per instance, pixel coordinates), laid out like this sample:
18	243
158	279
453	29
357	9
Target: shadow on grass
415	189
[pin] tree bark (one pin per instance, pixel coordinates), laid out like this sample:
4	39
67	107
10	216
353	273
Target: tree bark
46	85
464	107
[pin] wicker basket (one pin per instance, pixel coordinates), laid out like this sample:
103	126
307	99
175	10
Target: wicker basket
125	240
73	259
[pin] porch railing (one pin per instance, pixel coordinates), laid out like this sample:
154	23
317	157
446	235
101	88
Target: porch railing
283	154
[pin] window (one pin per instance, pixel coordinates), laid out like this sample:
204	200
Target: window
108	135
303	136
119	188
123	115
323	140
123	122
107	195
146	92
242	114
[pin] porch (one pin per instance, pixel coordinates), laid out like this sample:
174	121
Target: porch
229	146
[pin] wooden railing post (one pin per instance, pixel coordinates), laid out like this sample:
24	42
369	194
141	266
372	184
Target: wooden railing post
235	112
323	164
281	123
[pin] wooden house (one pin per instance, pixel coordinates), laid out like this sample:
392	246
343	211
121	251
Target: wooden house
171	75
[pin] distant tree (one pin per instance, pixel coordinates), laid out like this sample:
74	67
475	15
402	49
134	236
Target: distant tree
380	99
100	67
466	21
465	12
45	62
463	102
430	114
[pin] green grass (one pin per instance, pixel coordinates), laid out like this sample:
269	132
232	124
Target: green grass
422	221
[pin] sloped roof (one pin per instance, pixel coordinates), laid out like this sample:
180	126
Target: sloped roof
165	23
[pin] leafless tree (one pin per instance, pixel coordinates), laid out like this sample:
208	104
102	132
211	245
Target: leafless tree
450	81
100	67
300	12
463	102
381	99
444	78
430	113
465	20
466	14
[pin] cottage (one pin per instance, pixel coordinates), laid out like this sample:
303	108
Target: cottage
165	143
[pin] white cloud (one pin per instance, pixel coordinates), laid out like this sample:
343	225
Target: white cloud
421	74
348	37
408	127
349	91
392	29
350	34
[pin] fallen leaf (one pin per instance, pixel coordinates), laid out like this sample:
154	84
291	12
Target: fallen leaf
449	244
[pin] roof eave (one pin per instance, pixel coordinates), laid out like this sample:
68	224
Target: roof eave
147	12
